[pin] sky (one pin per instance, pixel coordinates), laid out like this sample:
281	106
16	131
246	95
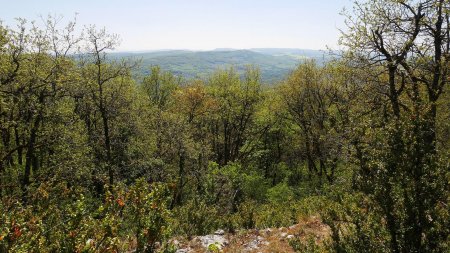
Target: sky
197	24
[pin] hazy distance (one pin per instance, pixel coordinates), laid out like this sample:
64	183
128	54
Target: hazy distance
198	24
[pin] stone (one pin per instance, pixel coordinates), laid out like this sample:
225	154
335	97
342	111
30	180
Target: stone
219	232
282	229
254	244
207	240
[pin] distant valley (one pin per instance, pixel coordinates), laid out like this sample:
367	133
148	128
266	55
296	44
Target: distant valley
274	63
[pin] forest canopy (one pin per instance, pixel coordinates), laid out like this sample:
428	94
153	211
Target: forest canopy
96	159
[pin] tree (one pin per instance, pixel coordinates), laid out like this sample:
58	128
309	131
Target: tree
236	102
34	80
104	96
402	46
315	104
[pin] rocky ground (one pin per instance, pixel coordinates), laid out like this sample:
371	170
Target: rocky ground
264	240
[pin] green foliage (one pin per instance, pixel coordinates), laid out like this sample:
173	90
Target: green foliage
148	209
95	159
354	228
159	86
309	246
196	217
66	219
280	193
275	215
213	248
246	215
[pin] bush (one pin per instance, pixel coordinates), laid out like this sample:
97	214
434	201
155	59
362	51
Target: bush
147	212
196	217
309	246
70	220
280	193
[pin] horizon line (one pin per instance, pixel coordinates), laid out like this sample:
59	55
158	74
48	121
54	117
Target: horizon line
211	49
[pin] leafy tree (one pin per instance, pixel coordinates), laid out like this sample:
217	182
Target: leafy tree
236	104
315	104
103	100
401	47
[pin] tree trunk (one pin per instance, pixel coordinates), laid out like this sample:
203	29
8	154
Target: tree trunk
30	156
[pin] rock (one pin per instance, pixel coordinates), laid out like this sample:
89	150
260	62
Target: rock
219	232
251	245
268	230
290	237
283	229
207	240
182	251
283	235
254	244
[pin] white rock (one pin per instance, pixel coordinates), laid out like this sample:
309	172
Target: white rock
254	244
219	232
283	235
207	240
290	237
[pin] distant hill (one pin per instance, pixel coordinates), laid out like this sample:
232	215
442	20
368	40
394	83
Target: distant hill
274	63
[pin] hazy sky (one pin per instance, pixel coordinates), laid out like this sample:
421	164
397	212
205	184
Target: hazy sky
198	24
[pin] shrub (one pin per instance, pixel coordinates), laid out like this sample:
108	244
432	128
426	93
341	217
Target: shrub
196	217
280	193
